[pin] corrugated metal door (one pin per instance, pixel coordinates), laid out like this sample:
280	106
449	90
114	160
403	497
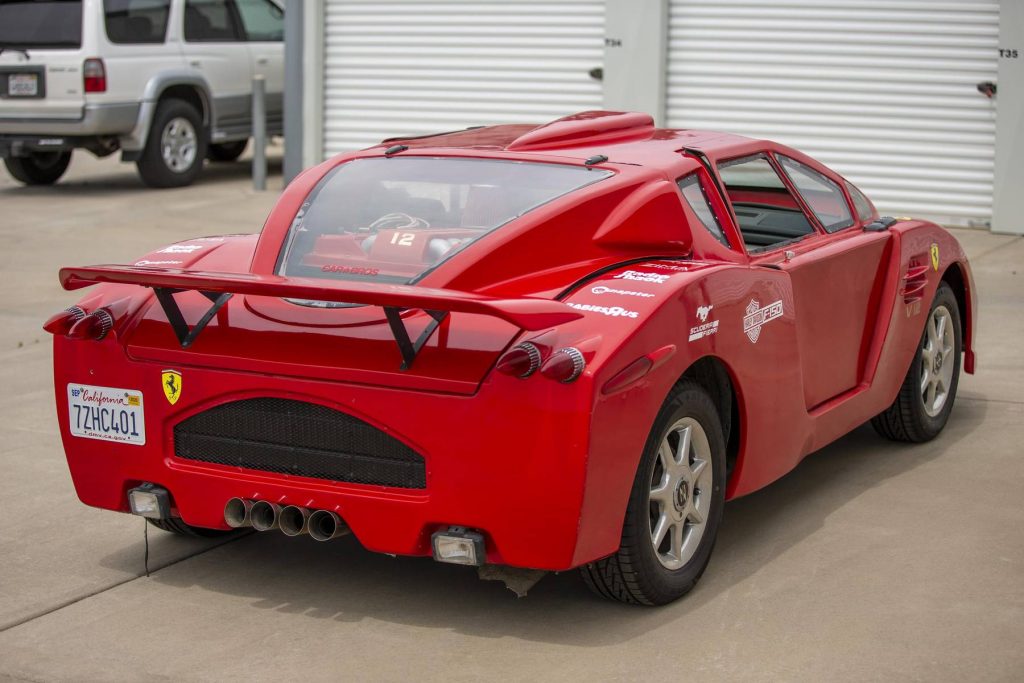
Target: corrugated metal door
883	91
410	68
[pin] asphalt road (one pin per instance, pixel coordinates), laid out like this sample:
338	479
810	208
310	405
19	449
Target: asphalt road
871	561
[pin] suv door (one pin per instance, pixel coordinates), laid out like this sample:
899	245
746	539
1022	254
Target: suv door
263	23
214	45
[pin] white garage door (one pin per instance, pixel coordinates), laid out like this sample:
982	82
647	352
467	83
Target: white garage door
883	91
411	68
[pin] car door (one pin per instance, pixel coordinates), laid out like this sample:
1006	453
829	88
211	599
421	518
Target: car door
263	23
836	276
214	45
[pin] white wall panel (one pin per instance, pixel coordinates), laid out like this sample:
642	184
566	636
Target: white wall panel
396	67
883	91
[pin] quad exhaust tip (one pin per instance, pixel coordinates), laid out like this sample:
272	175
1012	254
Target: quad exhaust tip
294	520
265	516
325	525
238	513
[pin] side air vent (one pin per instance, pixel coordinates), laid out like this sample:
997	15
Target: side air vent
285	436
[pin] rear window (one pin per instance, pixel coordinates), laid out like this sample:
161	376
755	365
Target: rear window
392	220
133	22
821	194
39	24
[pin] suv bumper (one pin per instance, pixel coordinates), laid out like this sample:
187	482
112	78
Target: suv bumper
97	119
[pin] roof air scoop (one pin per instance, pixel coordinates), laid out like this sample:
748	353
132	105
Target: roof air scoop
585	128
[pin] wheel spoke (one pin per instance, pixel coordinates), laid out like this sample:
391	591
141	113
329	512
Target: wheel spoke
698	467
926	377
662	493
929	398
683	452
677	541
660	529
695	516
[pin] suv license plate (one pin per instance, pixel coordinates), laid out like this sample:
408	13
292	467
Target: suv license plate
107	414
22	85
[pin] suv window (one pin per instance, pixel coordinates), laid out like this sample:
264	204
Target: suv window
821	194
767	213
263	20
696	196
211	21
133	22
41	23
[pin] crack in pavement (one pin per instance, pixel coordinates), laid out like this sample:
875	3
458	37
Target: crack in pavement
99	591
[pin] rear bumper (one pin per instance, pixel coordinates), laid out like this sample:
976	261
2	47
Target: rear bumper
96	120
509	461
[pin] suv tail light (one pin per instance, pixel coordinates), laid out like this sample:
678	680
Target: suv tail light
94	75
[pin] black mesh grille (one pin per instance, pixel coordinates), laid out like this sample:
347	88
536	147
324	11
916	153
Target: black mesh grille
293	437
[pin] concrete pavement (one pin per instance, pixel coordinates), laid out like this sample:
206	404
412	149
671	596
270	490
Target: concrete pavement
872	561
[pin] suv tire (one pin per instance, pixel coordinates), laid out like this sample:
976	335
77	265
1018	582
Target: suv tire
227	151
176	146
39	168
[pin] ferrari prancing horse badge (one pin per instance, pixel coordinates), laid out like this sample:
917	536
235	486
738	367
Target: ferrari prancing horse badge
171	380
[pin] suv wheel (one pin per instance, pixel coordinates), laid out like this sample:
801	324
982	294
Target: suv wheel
227	151
39	168
176	146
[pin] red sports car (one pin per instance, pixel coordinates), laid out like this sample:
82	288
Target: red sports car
545	347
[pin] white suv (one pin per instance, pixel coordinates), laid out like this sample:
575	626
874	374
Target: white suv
166	82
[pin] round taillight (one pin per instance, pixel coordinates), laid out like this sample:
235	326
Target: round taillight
564	365
96	325
522	361
60	323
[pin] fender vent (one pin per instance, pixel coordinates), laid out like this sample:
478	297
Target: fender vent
301	439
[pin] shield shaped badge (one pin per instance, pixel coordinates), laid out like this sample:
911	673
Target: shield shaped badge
171	381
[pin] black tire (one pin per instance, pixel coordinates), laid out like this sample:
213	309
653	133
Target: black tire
227	151
39	168
634	574
154	169
176	526
907	419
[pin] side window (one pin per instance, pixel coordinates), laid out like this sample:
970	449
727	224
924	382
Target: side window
821	194
696	197
262	20
136	22
767	213
211	21
865	211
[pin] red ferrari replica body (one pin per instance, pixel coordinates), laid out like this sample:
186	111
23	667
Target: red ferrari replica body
545	347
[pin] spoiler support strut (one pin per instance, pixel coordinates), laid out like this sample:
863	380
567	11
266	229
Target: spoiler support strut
173	312
406	346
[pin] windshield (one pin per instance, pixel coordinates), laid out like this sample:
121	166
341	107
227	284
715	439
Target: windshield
393	219
40	24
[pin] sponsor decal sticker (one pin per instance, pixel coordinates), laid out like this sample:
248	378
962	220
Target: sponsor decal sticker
706	328
355	270
666	266
624	292
913	308
757	316
181	249
935	256
640	276
171	381
158	263
613	311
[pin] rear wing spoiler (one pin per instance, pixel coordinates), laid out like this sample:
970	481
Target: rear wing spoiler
525	313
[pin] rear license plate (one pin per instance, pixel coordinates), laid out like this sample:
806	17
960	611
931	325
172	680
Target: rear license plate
22	85
106	414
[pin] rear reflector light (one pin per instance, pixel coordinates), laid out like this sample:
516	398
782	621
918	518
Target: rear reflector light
95	326
94	75
564	365
61	323
522	361
638	369
458	546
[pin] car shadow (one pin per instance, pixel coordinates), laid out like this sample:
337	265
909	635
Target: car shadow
340	581
123	177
